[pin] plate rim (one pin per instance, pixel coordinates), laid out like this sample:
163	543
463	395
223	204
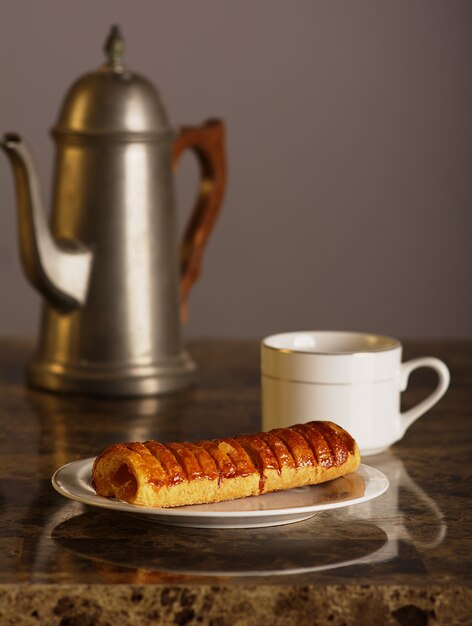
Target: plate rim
366	471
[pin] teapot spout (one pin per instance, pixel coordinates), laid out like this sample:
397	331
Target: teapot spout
60	273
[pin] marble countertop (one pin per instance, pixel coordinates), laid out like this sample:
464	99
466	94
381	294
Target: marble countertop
404	558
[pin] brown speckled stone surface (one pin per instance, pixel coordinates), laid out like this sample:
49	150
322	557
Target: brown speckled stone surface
402	559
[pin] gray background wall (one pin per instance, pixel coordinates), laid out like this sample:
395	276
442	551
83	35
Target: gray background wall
349	143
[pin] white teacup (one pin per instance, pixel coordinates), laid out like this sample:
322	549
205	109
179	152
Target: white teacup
352	379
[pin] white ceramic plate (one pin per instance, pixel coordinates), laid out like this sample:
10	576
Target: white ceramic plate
283	507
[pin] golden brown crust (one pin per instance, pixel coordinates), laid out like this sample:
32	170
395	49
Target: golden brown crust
174	474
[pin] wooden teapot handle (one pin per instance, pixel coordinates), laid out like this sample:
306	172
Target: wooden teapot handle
207	142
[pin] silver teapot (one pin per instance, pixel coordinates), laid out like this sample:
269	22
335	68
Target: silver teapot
108	265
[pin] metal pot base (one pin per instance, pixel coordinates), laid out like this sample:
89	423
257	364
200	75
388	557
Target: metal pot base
113	380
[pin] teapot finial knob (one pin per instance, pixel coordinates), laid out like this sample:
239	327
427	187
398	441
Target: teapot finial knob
114	46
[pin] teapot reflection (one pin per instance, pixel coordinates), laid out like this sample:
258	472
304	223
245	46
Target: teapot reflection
363	535
62	439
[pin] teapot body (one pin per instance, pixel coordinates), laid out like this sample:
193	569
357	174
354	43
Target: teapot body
116	198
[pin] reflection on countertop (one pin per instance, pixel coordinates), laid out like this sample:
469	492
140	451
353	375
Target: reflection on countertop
351	538
298	548
408	548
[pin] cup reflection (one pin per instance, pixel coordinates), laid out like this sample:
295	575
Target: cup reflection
391	511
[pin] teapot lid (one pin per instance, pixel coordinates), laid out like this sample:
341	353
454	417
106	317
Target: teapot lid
112	100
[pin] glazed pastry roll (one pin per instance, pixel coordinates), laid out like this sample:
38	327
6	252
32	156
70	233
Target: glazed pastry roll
154	474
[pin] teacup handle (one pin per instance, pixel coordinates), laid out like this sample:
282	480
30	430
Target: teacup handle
408	417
